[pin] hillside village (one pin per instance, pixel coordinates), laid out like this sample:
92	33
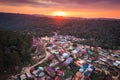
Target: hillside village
65	59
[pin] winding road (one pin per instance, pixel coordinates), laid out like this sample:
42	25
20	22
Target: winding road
46	57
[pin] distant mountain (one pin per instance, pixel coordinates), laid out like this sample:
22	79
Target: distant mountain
104	31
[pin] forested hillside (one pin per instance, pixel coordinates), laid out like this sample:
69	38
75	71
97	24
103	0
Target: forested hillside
104	32
14	50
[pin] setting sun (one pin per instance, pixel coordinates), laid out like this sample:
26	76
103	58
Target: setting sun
59	13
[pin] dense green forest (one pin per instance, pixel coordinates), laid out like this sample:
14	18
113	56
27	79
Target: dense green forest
14	50
104	32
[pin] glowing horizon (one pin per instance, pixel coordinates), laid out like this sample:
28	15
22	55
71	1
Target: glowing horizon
59	13
77	8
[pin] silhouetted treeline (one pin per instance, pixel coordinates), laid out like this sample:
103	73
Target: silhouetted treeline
104	32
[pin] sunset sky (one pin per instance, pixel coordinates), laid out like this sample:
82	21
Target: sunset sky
69	8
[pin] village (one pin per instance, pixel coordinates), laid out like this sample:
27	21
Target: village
63	59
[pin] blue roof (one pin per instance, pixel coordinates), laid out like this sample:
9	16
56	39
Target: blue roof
38	72
85	65
86	73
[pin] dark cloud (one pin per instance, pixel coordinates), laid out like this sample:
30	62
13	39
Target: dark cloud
84	1
65	3
21	2
100	4
16	1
